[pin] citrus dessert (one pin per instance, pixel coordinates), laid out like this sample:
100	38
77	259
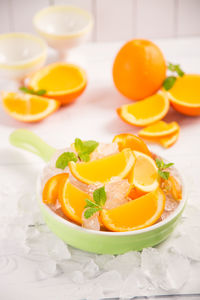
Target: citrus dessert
120	186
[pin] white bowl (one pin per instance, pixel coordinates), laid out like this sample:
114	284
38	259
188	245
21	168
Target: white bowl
63	27
21	54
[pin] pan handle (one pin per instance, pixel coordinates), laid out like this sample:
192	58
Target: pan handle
29	141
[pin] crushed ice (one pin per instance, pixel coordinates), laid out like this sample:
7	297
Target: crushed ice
165	268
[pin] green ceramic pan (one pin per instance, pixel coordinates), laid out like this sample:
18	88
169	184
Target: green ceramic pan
90	240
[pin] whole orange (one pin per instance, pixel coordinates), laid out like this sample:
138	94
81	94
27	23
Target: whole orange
139	69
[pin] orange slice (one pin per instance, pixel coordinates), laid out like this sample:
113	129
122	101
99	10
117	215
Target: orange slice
144	174
63	82
128	140
159	129
51	188
27	107
146	111
102	170
169	140
185	95
135	214
72	201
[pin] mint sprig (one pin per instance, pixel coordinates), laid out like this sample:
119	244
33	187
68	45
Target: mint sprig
99	199
32	92
161	167
170	80
85	148
64	159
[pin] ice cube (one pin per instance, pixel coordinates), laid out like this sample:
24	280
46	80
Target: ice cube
91	269
110	281
104	150
77	277
152	265
92	222
125	263
177	271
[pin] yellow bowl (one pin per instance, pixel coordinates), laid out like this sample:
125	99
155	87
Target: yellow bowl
21	54
63	26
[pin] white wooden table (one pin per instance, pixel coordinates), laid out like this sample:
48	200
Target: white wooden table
92	116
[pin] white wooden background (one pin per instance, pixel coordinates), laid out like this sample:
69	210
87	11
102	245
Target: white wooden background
115	19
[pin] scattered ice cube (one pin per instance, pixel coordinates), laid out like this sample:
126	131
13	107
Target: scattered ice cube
116	192
77	277
91	269
177	272
124	263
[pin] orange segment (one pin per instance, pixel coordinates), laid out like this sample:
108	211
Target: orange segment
185	95
135	214
144	174
51	188
169	140
27	107
145	112
63	82
159	129
128	140
102	170
72	201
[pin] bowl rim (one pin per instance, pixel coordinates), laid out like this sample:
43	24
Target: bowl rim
26	63
110	233
66	8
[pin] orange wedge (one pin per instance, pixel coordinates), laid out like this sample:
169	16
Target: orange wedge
26	107
102	170
51	189
144	174
185	95
63	82
128	140
72	201
169	140
159	129
146	111
135	214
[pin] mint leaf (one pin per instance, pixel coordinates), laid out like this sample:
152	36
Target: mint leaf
40	92
99	196
84	157
90	203
90	211
158	163
169	82
85	148
78	145
176	68
89	146
64	159
162	166
31	91
168	165
164	175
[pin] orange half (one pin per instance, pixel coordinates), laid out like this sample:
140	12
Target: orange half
102	170
185	94
26	107
136	214
159	129
72	201
63	82
145	112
